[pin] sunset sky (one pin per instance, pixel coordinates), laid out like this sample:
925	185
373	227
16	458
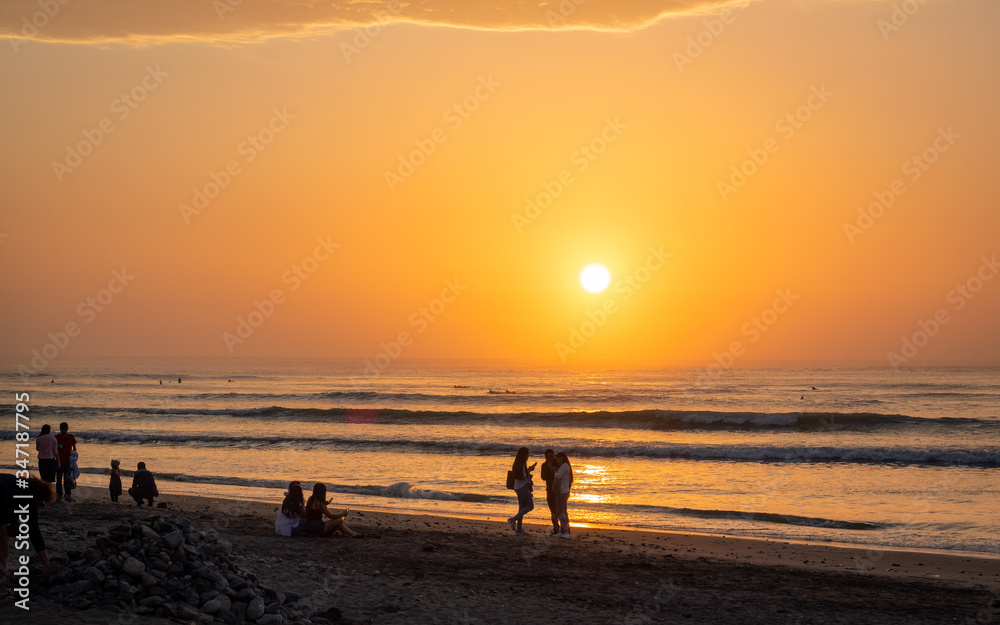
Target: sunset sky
377	183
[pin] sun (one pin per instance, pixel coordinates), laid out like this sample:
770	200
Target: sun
595	278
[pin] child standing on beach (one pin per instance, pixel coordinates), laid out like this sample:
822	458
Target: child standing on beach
116	482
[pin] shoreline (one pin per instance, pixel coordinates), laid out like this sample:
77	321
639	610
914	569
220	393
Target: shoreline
427	568
535	518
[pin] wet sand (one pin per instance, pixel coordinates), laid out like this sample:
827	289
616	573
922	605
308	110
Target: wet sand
414	568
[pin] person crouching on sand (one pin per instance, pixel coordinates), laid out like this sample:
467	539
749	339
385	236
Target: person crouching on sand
11	522
522	486
143	485
561	485
291	519
316	509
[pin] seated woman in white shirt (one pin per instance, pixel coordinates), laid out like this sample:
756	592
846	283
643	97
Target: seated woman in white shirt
291	519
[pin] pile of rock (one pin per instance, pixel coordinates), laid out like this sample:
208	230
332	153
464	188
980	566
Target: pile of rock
163	567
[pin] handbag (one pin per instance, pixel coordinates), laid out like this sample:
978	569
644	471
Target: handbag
510	480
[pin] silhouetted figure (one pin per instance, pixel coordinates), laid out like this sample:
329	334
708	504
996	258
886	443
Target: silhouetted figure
522	486
178	380
143	486
548	474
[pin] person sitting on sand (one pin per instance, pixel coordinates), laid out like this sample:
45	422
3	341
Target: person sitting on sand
291	519
561	485
316	509
143	485
11	522
522	486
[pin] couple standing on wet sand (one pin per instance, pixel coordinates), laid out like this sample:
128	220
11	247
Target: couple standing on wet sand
558	475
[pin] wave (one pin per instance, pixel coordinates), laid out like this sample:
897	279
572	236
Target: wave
651	419
664	451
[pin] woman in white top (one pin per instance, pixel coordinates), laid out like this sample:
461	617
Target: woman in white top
522	486
561	484
291	519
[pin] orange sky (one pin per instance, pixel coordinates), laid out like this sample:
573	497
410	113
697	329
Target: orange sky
445	252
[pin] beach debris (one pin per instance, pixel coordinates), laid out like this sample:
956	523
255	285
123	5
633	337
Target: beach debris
163	567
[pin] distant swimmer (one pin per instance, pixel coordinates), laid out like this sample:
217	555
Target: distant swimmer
161	382
815	389
510	392
230	380
460	386
52	381
178	380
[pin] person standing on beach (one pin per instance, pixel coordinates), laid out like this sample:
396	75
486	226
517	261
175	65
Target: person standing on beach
48	454
11	524
66	443
143	485
522	486
115	486
561	484
548	473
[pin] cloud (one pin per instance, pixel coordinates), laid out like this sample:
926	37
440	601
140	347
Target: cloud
152	21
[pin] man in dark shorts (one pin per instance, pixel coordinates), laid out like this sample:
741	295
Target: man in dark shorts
12	516
548	473
143	485
66	443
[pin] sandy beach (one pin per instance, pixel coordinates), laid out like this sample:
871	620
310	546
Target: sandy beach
412	568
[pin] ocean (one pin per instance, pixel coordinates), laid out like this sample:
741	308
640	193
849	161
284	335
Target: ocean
870	456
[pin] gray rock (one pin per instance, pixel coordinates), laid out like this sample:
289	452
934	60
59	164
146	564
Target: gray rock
224	546
95	576
187	613
154	602
148	580
134	567
225	602
79	587
211	607
246	595
226	616
173	539
271	619
255	609
149	533
240	610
